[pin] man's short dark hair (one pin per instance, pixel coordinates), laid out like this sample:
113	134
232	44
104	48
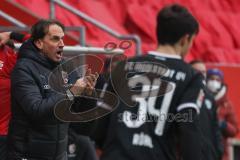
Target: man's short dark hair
173	22
40	29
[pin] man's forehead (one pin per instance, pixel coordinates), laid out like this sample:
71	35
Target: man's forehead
199	66
56	35
55	30
215	77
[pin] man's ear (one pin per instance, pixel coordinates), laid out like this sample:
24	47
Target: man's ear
184	40
39	44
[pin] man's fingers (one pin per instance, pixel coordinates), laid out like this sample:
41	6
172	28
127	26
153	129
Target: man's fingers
88	72
92	78
89	89
87	83
96	75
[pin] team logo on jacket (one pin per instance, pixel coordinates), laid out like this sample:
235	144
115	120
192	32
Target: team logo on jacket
71	151
45	82
46	86
200	98
208	104
65	77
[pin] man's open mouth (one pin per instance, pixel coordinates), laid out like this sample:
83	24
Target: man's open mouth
60	53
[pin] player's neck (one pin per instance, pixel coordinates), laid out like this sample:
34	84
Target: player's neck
169	50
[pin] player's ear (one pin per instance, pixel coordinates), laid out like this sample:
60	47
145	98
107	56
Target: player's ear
39	44
185	40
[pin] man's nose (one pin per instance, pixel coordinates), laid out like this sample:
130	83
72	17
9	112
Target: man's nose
61	43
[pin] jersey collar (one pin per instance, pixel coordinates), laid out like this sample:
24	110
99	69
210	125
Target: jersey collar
155	53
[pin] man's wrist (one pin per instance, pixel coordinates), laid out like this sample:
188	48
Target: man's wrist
75	90
70	95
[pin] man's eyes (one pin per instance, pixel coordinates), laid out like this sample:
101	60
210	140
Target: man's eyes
56	39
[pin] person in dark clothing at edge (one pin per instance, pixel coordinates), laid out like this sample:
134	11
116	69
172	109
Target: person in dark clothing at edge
141	132
34	131
212	146
225	109
8	57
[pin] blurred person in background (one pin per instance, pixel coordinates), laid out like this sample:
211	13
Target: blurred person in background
225	110
212	146
8	58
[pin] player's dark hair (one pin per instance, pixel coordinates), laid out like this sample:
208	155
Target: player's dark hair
174	22
40	29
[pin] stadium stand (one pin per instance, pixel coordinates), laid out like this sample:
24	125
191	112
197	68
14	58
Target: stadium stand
217	41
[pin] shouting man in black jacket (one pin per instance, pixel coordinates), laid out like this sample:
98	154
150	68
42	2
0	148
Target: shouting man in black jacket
34	132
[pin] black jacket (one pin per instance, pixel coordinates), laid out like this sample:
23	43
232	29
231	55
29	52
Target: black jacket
34	132
212	147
